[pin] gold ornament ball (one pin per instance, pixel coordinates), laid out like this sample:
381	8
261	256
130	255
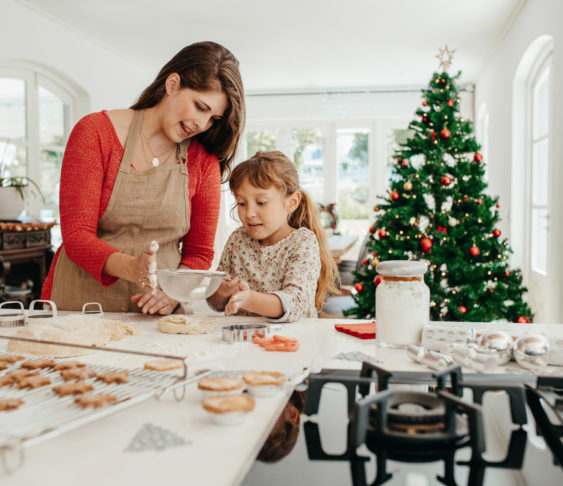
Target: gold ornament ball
375	209
407	186
374	262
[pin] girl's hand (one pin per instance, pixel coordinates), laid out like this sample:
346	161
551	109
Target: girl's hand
228	287
155	301
238	299
144	268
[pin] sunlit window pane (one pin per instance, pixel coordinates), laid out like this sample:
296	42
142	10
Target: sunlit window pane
539	240
541	105
13	159
307	147
12	109
393	141
51	118
260	141
51	161
352	159
540	173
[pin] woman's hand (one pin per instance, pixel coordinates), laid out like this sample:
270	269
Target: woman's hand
155	302
144	266
239	298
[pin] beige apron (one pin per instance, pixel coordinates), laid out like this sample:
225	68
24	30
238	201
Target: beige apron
144	206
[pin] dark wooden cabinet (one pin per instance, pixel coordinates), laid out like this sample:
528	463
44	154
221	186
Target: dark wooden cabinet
25	257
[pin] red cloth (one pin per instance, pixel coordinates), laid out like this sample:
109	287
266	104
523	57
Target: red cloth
91	161
363	331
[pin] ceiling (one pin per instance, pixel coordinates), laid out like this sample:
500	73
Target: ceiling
305	45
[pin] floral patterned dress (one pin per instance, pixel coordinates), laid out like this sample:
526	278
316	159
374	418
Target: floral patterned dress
289	269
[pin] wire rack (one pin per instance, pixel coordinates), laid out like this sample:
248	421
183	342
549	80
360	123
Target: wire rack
45	415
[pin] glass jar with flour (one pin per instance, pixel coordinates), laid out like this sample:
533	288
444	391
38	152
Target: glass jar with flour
402	302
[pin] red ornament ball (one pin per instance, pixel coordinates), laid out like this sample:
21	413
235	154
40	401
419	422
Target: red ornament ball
462	309
498	205
451	103
432	135
426	244
445	133
425	103
359	286
479	201
443	80
477	157
377	280
372	230
446	181
365	261
496	233
382	233
523	320
474	251
507	274
415	224
405	163
394	195
424	119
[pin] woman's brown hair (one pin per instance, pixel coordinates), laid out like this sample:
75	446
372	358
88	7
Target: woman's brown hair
267	169
206	66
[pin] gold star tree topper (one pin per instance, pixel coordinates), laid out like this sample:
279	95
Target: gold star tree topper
445	56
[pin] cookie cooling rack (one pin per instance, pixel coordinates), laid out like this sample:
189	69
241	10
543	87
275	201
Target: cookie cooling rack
45	415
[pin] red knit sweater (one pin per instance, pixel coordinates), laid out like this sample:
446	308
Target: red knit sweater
90	165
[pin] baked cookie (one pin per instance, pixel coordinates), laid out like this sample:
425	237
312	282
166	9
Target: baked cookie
78	374
220	384
10	403
34	364
68	365
229	403
181	324
34	382
75	388
114	377
11	358
6	381
19	374
95	400
164	364
260	378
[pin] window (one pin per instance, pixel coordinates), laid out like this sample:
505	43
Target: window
539	169
36	113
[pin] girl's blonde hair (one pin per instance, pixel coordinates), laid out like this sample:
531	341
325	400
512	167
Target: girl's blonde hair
267	169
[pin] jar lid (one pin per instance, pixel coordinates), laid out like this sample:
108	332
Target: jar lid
401	267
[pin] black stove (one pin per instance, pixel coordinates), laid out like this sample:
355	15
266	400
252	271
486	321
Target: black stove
362	428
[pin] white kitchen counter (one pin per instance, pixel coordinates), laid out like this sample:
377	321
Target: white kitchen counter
95	453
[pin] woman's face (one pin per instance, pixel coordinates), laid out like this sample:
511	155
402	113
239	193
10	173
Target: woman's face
188	112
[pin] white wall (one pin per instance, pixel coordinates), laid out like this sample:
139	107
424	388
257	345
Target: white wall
108	80
495	88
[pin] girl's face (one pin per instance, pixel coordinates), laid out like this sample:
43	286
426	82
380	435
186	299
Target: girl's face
264	212
188	112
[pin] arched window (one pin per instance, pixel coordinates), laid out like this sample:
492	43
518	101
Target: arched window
482	133
531	170
37	111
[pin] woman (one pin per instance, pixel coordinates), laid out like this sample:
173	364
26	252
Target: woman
149	173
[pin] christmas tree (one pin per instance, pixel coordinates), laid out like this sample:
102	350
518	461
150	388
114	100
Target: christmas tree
436	210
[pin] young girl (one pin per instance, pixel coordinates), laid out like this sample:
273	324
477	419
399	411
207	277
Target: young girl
278	259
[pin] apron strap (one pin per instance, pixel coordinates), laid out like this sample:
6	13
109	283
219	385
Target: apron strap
131	141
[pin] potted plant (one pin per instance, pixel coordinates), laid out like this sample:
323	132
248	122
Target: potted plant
13	190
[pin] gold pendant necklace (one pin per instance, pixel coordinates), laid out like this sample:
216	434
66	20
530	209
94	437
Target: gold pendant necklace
155	162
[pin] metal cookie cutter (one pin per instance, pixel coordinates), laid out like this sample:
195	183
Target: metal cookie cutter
42	313
13	317
245	332
97	310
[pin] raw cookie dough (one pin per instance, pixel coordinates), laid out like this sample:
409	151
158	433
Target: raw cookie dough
180	324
